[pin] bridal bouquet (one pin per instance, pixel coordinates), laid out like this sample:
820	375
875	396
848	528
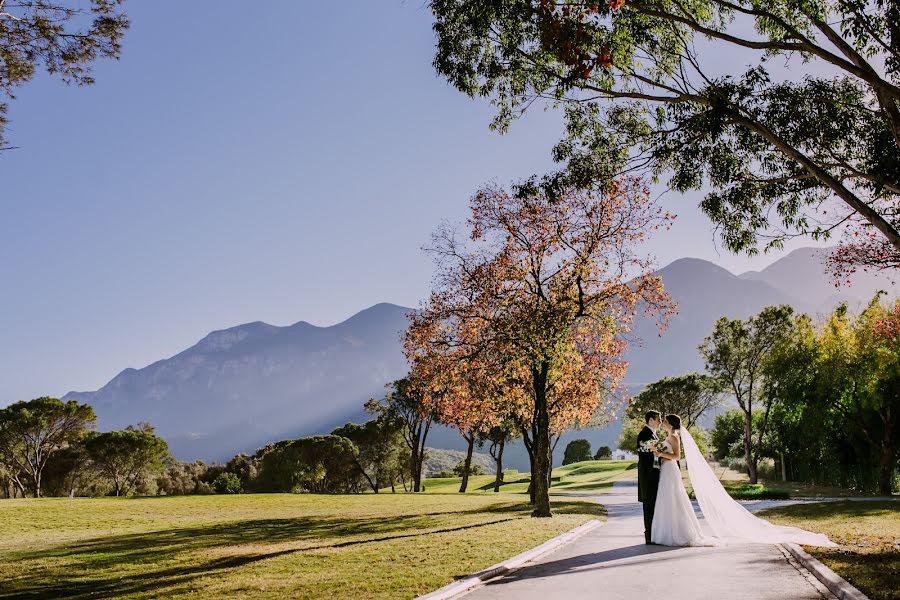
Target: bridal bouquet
651	445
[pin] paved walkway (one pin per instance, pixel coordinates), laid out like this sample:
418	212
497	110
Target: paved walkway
612	562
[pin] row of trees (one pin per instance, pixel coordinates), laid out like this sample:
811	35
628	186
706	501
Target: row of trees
48	441
48	447
820	398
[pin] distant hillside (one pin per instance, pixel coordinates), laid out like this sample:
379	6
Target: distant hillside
801	274
438	459
242	387
239	388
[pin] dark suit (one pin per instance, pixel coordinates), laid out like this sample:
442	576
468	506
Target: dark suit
648	481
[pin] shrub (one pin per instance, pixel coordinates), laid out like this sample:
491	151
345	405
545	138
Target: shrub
460	469
227	483
603	453
577	451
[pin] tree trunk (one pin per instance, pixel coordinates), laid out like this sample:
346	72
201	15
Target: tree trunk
550	458
37	484
783	467
419	461
415	466
499	478
531	473
529	447
540	477
417	472
886	476
373	485
748	447
468	464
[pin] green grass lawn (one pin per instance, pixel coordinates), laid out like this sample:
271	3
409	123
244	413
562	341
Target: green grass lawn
869	536
264	545
793	489
748	491
584	477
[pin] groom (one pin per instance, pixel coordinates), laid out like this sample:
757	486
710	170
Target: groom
648	472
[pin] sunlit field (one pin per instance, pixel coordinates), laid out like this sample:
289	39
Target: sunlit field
869	536
265	545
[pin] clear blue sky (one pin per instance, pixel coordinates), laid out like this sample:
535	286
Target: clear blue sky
276	161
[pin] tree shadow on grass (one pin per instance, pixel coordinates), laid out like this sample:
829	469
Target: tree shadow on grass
565	507
490	485
874	572
848	509
583	485
84	560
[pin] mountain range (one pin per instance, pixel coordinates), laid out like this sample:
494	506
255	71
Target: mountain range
240	388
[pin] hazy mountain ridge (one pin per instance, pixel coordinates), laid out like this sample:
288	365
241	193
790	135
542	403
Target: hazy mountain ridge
239	388
802	274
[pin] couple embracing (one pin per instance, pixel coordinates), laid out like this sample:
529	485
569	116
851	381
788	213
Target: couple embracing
669	517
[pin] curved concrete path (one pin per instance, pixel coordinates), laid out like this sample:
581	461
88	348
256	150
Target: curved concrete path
613	562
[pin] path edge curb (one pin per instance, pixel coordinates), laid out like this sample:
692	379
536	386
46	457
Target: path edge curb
467	583
836	584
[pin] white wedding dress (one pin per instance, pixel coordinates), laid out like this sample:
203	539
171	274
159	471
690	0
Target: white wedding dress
674	521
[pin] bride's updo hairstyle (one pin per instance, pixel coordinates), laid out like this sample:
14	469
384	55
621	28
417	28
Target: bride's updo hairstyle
674	421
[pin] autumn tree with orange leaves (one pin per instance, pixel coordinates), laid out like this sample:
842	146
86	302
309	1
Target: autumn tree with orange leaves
462	391
540	296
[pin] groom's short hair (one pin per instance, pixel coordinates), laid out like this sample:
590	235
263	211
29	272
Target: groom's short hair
651	414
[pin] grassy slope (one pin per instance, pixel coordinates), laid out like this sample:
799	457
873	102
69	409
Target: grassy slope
584	477
273	545
868	533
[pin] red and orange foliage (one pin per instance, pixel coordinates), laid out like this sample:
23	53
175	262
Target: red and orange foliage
887	326
568	32
529	316
862	249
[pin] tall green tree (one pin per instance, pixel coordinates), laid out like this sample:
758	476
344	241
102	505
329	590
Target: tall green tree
640	91
405	403
378	442
64	37
30	432
859	378
627	441
688	396
128	456
736	354
322	464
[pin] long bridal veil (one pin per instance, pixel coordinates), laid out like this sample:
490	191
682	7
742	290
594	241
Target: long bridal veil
726	517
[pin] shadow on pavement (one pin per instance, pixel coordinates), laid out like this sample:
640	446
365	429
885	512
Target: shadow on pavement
642	554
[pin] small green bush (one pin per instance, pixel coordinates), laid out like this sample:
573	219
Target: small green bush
227	483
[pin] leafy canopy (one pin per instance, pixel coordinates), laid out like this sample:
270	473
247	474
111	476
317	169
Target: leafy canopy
63	36
638	84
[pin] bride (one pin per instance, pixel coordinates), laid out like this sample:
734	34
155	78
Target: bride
674	521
